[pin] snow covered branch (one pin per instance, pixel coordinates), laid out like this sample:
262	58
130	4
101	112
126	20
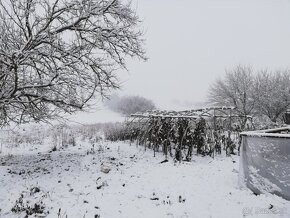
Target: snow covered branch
57	55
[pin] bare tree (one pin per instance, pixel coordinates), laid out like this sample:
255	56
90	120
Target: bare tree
272	93
236	89
131	104
55	55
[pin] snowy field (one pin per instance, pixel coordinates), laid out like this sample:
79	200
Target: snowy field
118	180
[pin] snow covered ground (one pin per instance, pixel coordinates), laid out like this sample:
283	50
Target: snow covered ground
99	115
70	183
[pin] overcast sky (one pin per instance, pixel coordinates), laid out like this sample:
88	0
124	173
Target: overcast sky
190	43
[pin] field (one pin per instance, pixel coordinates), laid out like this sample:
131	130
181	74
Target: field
97	178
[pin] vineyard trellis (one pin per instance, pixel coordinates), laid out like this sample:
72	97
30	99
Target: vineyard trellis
209	131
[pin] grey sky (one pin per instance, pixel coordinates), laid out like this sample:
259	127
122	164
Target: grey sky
191	42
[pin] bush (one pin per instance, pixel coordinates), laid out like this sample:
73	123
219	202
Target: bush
116	132
29	209
130	104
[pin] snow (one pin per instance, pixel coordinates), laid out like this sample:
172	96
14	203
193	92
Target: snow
71	182
262	183
277	133
97	115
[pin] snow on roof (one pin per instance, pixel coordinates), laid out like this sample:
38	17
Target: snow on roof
283	132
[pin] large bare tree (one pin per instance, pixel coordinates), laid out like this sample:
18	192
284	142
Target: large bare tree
272	93
235	89
55	55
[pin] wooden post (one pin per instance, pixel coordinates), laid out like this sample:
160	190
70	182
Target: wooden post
287	117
